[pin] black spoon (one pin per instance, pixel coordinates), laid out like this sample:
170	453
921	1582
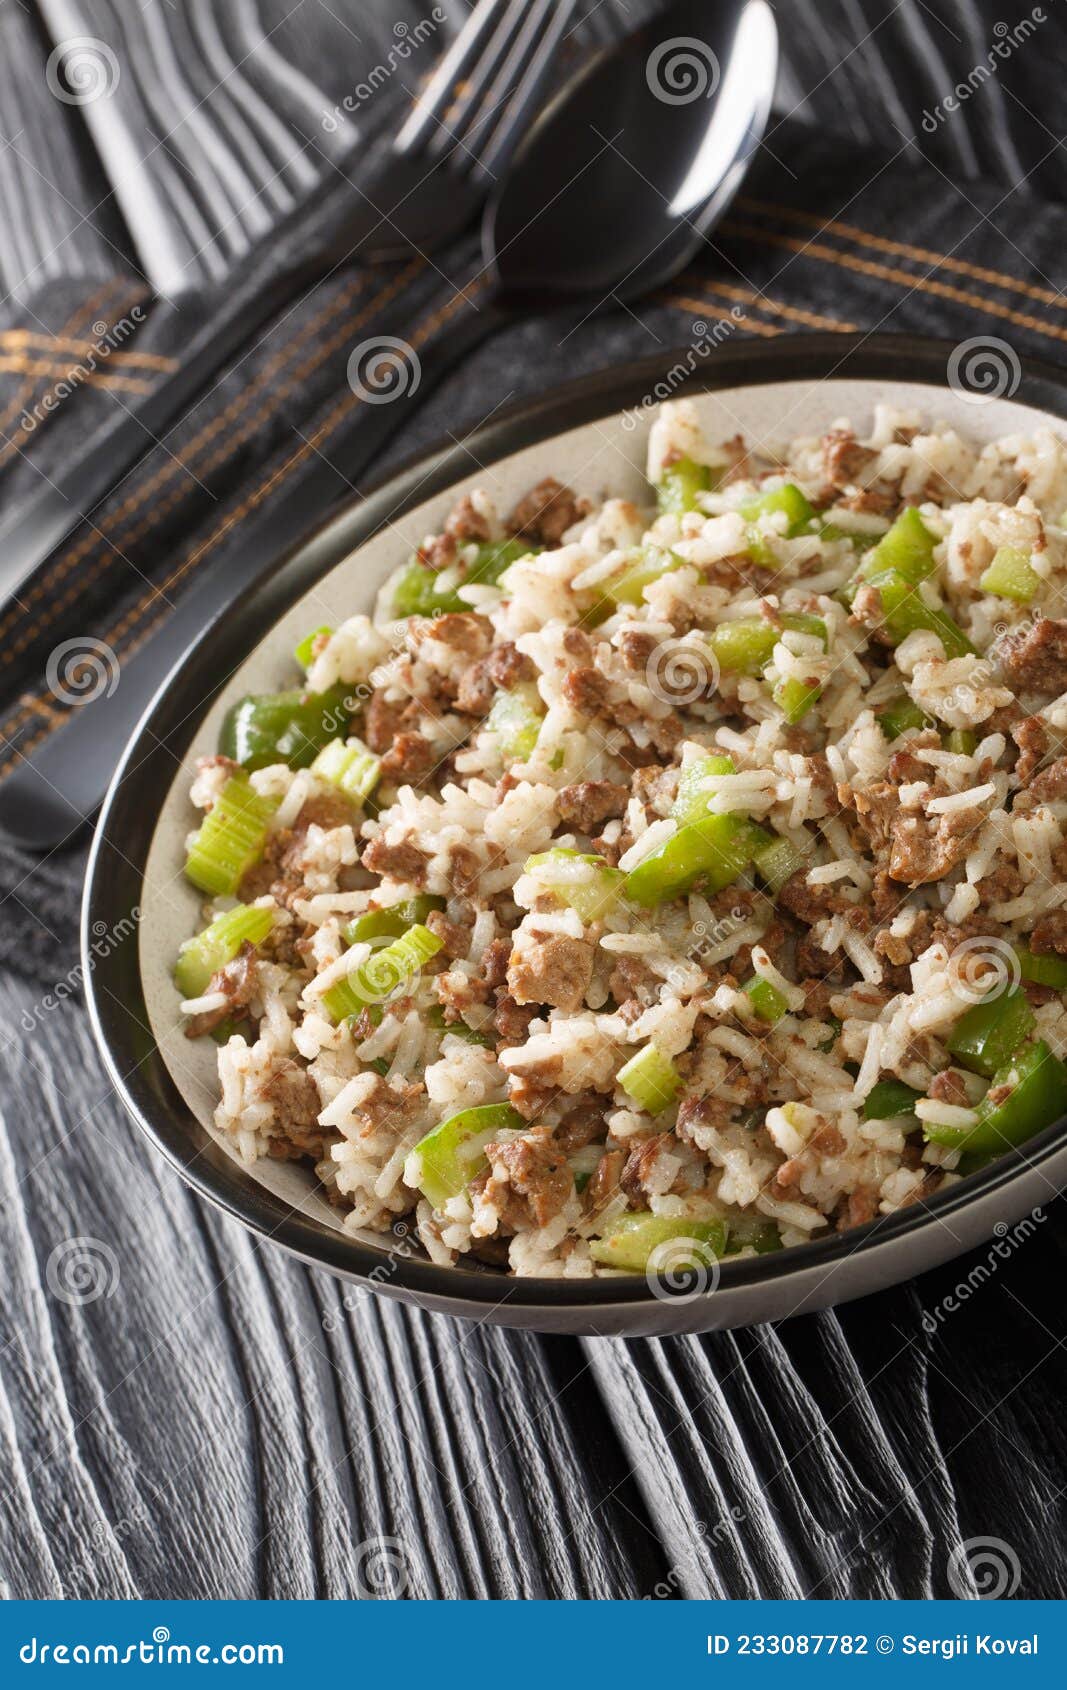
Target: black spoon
609	196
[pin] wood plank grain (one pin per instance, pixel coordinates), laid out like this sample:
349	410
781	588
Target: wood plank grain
206	1417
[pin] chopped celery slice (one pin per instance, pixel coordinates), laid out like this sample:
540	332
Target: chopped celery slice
795	698
962	741
394	920
591	894
647	564
711	853
799	511
904	610
443	1163
889	1099
417	594
350	767
777	861
768	1003
200	958
901	716
1042	970
748	1233
657	1243
304	652
694	789
651	1079
987	1036
283	727
1027	1094
745	646
384	973
1010	575
231	838
516	718
681	483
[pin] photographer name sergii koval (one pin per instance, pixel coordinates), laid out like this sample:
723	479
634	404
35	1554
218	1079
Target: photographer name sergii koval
949	1647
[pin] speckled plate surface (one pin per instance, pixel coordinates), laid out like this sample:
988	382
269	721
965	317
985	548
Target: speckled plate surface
592	434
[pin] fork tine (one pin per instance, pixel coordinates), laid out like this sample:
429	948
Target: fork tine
465	116
514	105
456	66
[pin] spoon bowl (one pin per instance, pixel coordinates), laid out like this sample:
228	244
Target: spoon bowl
619	182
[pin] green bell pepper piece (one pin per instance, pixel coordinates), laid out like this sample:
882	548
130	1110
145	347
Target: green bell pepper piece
645	565
680	485
633	1239
902	715
1042	970
907	549
745	647
1010	575
904	610
453	1154
800	513
1026	1095
795	698
710	853
888	1099
417	594
284	727
392	921
987	1036
693	789
303	653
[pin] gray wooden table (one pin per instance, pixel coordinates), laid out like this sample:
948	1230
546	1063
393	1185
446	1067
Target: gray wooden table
185	1412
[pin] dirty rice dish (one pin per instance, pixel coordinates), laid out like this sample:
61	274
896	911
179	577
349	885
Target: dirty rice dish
647	884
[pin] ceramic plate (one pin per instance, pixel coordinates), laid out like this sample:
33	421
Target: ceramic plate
593	435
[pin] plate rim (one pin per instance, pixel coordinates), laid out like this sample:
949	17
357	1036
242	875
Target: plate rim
112	869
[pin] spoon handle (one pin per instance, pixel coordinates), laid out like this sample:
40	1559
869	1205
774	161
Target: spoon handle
51	793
